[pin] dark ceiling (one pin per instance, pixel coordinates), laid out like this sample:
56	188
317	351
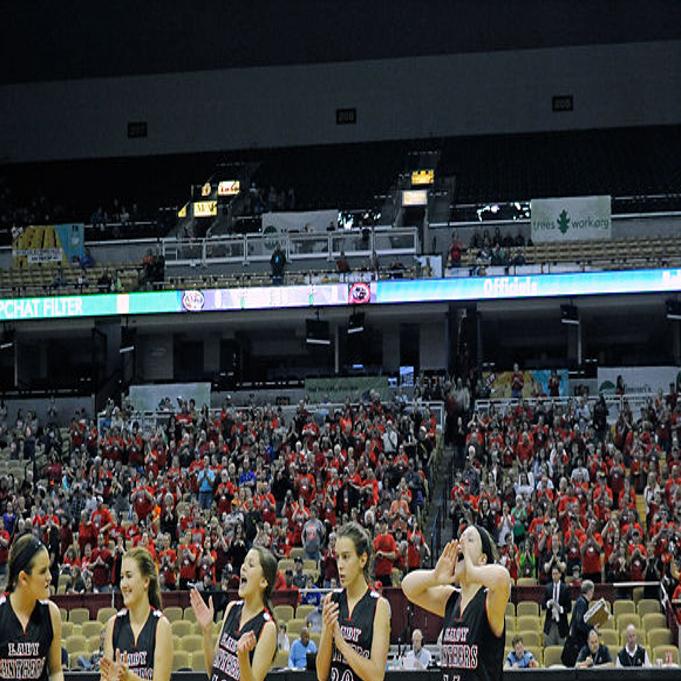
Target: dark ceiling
79	39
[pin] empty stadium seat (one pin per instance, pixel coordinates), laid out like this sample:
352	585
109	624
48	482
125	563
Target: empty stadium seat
647	606
79	615
66	629
283	613
654	620
73	643
624	620
180	660
302	611
527	608
188	615
293	628
191	643
173	613
621	607
198	661
531	638
552	655
510	623
90	628
281	659
510	609
526	581
181	628
528	622
658	637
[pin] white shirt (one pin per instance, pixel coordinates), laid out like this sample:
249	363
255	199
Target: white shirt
413	660
631	653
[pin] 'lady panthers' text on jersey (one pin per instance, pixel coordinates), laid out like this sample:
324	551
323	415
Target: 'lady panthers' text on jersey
226	662
141	652
358	631
23	654
470	650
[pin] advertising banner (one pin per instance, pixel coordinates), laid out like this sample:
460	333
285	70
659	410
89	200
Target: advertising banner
339	389
638	380
535	383
576	218
48	243
146	398
308	221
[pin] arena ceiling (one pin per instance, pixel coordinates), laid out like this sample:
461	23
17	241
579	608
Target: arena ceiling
45	41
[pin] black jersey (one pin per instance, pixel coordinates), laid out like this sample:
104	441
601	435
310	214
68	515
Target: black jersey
357	630
23	654
140	652
226	662
470	650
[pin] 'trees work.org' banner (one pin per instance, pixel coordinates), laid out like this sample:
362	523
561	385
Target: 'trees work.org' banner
577	218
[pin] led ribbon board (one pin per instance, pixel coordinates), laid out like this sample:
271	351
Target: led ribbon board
328	295
529	286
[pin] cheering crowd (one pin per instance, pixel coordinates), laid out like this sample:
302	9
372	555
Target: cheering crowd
199	488
556	486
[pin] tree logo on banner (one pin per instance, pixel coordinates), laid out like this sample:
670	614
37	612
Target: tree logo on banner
563	221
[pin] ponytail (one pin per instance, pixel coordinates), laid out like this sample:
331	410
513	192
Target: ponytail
21	556
268	563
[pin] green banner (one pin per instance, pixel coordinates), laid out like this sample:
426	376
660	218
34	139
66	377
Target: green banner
340	389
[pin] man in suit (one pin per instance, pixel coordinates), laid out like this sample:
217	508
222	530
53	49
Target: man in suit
579	629
557	604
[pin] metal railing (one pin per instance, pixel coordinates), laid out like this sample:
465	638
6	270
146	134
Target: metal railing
254	248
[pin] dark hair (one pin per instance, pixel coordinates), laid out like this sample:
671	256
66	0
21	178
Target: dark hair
516	639
21	555
488	546
147	568
268	563
361	540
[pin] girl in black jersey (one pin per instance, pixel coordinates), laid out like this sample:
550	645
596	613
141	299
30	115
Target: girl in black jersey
138	641
30	625
247	643
473	633
355	621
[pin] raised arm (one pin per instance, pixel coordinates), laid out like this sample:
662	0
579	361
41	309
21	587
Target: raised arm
430	589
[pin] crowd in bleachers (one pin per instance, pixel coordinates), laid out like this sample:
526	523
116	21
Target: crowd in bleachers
558	485
200	488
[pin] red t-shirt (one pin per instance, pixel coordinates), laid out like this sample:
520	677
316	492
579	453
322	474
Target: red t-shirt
386	543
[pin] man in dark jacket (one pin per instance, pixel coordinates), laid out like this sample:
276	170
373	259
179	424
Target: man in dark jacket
557	604
579	629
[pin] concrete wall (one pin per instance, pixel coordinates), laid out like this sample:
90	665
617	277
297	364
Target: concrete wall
616	85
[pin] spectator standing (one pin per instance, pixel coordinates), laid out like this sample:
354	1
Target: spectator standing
206	483
579	629
557	604
385	549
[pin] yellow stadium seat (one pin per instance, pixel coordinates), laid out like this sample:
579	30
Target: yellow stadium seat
509	637
198	662
281	659
180	660
661	653
642	640
623	606
173	613
538	653
302	611
66	629
526	581
648	606
510	623
93	644
654	620
609	638
293	628
73	643
182	628
285	564
310	565
510	609
189	615
90	628
531	638
658	637
79	615
191	644
552	655
527	608
528	622
624	620
297	552
283	613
